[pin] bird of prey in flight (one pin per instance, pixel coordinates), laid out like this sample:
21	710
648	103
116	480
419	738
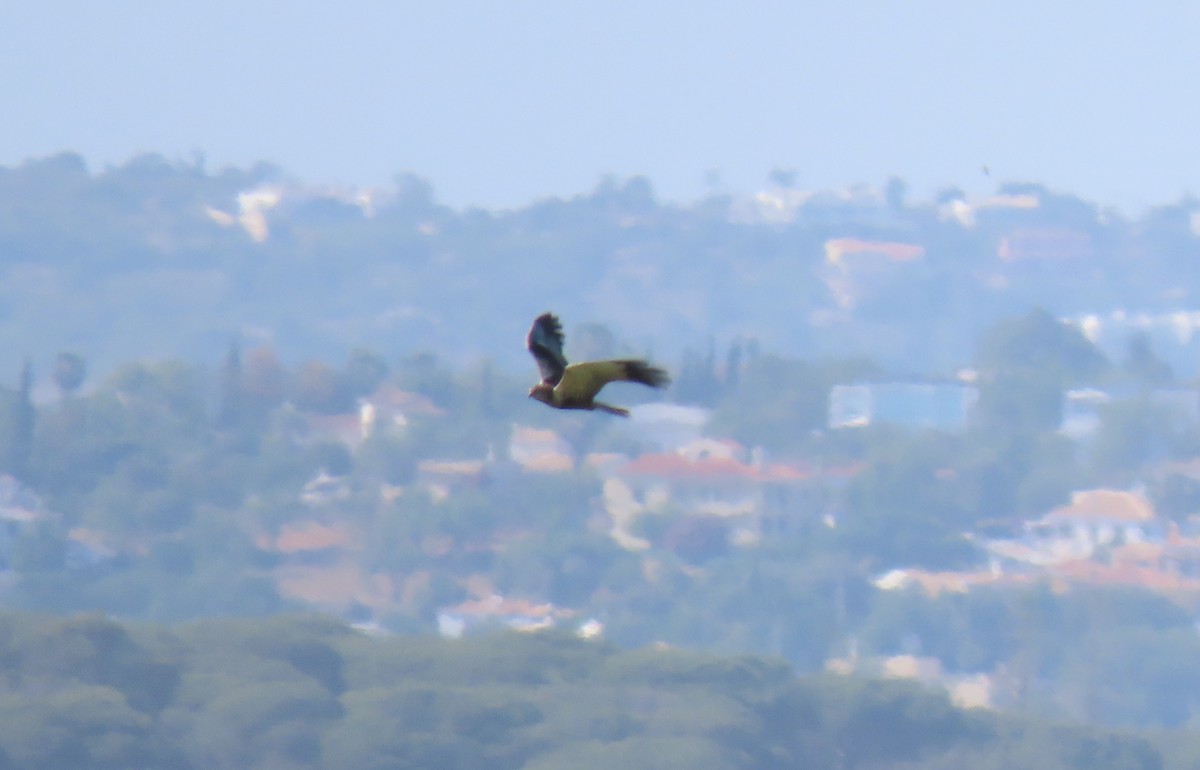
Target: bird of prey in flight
574	386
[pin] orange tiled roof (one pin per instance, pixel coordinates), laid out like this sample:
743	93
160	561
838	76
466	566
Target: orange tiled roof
837	248
310	536
392	397
548	463
1110	504
678	465
499	606
1094	573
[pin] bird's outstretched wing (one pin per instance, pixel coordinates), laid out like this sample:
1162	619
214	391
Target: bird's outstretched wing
545	342
581	382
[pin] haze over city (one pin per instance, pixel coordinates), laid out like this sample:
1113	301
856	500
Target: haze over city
519	386
501	104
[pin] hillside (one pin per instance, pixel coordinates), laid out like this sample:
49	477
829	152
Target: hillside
161	259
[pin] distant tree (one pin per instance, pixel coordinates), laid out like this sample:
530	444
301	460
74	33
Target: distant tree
1142	363
364	372
907	508
780	401
1176	496
425	374
733	366
1015	403
697	382
414	197
319	387
1038	344
783	177
232	406
948	195
1132	432
696	538
634	196
1025	366
895	193
41	548
264	379
69	372
21	424
160	388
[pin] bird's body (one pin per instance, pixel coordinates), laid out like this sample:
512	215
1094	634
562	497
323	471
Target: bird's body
575	386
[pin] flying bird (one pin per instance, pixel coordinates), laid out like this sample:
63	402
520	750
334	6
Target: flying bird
574	386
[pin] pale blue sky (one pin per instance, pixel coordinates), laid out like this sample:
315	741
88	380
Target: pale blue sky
499	103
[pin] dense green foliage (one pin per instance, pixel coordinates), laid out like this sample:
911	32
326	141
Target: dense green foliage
303	692
183	470
167	365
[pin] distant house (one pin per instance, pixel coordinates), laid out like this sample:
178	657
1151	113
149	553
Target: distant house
345	429
714	477
540	449
308	542
932	406
977	690
442	477
317	564
323	489
1176	556
393	408
966	213
1101	517
605	464
497	611
1174	335
936	583
87	548
853	208
20	510
856	268
1081	412
1094	519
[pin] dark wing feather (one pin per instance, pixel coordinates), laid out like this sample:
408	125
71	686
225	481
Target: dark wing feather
545	342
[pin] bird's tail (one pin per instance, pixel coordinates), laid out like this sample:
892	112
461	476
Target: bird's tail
618	411
646	374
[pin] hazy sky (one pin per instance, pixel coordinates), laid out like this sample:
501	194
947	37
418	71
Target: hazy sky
498	102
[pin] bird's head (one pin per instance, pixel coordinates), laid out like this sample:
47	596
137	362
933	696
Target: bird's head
542	392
